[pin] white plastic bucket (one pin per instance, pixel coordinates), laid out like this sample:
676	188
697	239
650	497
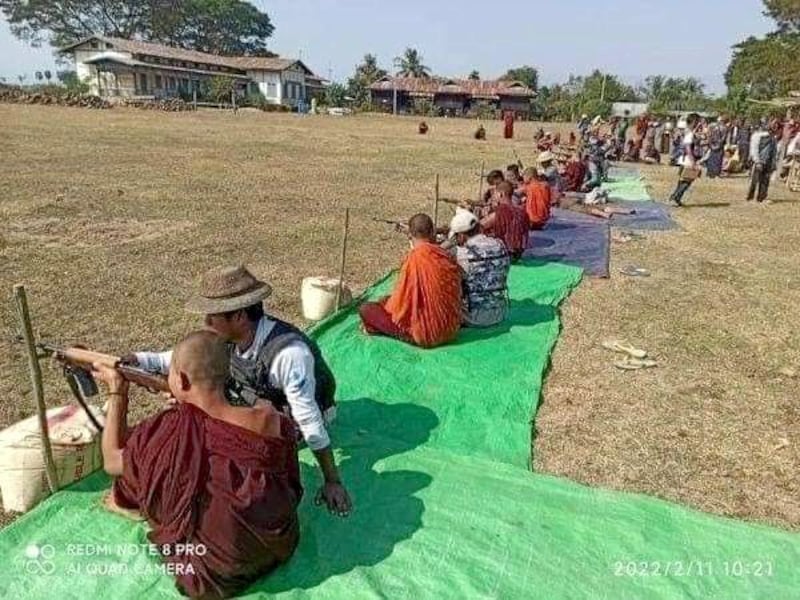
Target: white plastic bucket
319	297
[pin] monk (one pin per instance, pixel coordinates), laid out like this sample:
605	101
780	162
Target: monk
537	198
574	173
493	179
219	485
508	125
425	306
480	133
507	222
423	128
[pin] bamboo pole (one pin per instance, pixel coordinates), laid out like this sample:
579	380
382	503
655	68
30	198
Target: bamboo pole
345	234
436	202
38	388
480	183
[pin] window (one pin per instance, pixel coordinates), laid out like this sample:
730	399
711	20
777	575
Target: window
95	45
159	82
272	90
143	83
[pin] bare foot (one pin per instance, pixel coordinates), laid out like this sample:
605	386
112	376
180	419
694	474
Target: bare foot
110	505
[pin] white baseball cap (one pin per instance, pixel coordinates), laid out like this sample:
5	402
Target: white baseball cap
462	222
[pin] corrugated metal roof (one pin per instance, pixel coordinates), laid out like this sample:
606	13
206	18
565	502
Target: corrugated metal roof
468	87
241	63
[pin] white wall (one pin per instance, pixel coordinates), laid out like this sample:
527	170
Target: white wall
269	83
88	73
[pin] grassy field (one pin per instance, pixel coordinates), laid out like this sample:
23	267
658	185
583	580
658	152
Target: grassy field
109	217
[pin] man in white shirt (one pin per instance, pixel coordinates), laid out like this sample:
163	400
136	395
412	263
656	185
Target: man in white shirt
687	162
271	361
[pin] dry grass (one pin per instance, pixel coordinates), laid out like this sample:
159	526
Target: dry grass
108	217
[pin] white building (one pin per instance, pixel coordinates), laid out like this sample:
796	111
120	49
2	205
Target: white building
116	67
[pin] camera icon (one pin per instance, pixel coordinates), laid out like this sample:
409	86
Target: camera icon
39	559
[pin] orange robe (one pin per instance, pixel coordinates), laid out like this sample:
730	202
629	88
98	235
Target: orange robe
537	205
426	302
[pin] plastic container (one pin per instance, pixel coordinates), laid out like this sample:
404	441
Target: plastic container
319	297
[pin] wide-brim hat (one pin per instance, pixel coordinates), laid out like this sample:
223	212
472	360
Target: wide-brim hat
227	289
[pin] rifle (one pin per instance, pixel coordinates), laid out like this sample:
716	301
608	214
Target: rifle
472	203
519	161
399	226
77	364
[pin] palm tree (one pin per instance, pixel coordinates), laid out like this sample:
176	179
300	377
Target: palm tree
410	64
475	76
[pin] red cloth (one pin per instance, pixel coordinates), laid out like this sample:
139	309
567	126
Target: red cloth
537	203
379	322
511	225
508	129
202	481
574	176
426	302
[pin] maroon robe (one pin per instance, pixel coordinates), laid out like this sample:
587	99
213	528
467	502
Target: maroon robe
229	492
511	226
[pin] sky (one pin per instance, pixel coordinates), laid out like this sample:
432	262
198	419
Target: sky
630	38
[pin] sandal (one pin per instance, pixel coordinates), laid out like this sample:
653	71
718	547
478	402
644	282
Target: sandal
624	348
635	272
635	364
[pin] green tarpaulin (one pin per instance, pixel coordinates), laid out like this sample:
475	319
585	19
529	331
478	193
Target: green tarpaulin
626	184
434	447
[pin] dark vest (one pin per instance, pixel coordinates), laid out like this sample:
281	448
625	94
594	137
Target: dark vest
250	378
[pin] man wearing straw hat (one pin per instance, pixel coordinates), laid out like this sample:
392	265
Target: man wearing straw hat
271	361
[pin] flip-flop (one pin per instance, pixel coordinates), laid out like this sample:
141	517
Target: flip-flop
624	348
635	272
635	364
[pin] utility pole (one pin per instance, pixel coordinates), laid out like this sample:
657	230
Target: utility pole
394	97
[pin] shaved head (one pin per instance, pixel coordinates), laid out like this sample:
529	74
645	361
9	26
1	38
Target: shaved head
420	227
505	188
202	356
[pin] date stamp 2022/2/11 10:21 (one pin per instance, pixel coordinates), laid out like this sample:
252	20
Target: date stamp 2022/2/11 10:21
693	568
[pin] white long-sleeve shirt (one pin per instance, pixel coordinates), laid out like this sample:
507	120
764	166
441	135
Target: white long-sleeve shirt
292	371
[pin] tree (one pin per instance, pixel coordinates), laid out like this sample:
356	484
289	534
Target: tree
227	27
22	79
786	14
766	67
48	75
769	67
674	93
221	26
39	75
218	89
367	73
527	75
474	76
410	64
335	95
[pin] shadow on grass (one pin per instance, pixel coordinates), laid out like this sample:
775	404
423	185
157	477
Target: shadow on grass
386	511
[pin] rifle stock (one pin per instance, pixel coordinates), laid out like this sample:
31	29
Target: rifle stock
81	358
400	226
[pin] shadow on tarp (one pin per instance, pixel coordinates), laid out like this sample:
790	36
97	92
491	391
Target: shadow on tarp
386	511
649	216
521	313
574	239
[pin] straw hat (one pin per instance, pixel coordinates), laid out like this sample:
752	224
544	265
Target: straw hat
227	289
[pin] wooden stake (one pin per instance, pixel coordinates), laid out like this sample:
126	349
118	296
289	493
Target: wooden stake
345	234
480	183
38	388
436	203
